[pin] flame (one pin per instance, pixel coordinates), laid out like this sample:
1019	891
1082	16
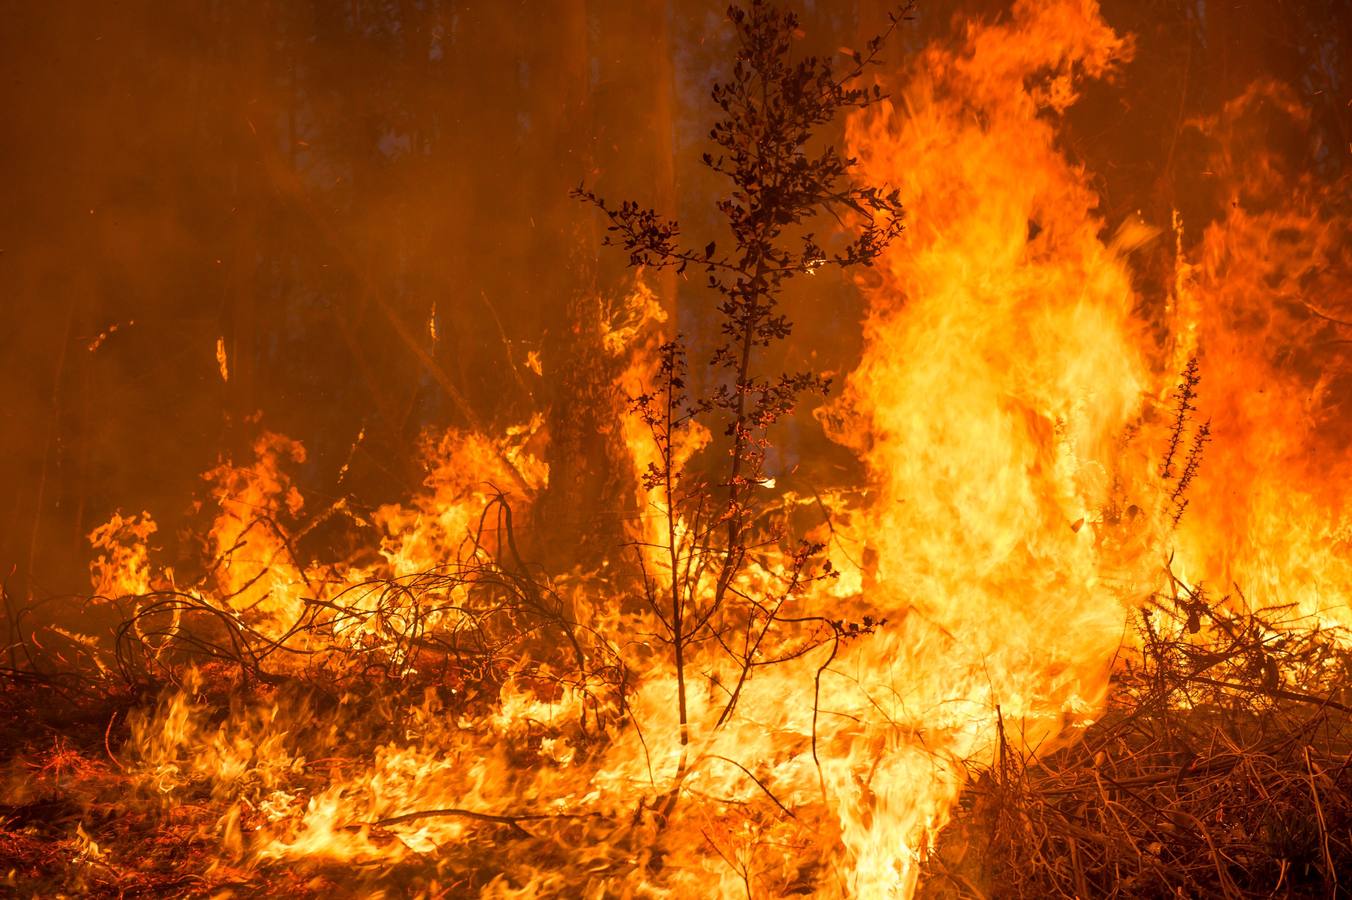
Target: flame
464	470
256	567
1268	302
1002	366
222	361
122	566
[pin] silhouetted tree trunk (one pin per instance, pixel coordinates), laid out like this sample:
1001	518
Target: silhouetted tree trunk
576	521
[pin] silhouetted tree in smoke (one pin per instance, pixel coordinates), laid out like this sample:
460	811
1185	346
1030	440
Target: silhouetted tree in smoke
782	181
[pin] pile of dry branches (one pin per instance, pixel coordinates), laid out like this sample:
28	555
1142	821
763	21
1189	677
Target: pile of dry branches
361	658
1220	769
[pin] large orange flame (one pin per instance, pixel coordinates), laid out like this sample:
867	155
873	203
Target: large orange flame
1001	369
1269	304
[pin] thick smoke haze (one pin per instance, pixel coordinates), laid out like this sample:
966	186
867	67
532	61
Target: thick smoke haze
365	206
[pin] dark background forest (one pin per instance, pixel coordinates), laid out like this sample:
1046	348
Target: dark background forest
311	182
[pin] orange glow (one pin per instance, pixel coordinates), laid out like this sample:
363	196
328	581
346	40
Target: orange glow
1012	410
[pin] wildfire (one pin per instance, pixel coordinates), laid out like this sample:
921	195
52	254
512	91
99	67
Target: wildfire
1025	423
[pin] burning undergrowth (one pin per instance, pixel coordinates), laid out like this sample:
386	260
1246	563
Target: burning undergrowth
1218	768
1012	677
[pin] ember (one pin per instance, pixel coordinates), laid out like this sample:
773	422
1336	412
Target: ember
451	524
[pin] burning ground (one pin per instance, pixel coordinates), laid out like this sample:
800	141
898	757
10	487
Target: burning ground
1078	628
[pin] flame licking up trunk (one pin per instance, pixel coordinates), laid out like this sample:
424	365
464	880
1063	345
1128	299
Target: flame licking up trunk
1014	409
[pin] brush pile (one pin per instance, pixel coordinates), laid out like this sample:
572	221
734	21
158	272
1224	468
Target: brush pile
1220	769
142	754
